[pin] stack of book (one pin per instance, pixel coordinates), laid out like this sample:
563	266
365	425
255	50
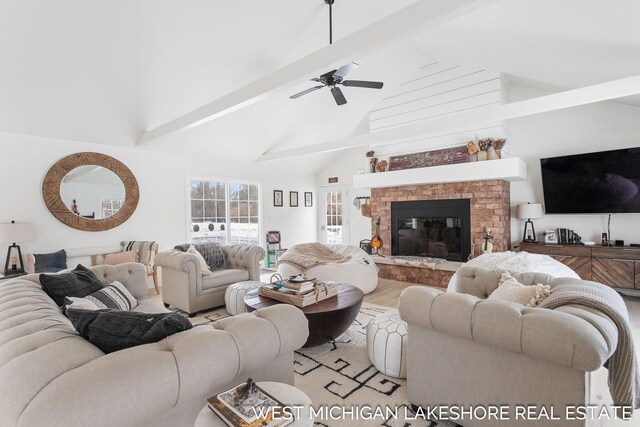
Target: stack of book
297	287
257	409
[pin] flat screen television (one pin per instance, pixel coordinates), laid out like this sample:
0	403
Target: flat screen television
603	182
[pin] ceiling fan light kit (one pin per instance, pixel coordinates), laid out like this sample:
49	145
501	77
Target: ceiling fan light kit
336	77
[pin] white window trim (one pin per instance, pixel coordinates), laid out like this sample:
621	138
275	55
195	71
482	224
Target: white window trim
227	181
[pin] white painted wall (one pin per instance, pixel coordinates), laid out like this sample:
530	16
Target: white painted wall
596	127
161	212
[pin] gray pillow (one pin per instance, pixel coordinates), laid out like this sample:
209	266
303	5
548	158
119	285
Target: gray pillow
79	282
212	252
52	262
112	330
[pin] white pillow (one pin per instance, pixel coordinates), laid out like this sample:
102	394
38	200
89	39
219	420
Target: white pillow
203	264
509	289
81	303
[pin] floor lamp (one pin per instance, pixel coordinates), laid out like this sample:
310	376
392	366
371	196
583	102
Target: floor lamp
13	233
529	211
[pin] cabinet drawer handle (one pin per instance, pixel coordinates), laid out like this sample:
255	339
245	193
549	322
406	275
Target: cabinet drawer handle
564	256
623	260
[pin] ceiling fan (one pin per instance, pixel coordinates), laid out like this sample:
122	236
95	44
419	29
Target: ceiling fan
336	77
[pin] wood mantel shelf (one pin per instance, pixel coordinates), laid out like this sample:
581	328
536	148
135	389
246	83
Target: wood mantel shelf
511	169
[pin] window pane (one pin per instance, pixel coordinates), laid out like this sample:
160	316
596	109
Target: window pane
197	190
234	209
253	208
209	208
210	190
253	192
254	220
197	208
244	208
234	190
222	211
221	194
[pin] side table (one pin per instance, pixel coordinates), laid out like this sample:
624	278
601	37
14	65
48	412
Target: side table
285	393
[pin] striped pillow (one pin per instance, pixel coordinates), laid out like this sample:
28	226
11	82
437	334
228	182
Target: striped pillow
114	296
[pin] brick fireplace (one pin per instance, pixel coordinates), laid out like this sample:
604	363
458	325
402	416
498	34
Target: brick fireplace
489	205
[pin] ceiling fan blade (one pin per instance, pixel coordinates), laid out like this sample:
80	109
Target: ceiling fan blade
363	83
304	92
345	69
338	96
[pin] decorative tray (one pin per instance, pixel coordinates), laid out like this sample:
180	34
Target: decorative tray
320	292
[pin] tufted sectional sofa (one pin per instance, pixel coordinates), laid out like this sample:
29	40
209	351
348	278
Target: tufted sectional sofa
184	286
50	376
465	349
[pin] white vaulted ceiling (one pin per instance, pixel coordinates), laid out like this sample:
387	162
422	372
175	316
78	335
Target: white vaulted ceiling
105	72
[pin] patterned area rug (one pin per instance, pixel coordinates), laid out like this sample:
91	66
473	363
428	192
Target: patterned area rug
345	377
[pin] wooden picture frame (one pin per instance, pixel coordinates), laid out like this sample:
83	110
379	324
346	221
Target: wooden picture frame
277	198
308	199
293	199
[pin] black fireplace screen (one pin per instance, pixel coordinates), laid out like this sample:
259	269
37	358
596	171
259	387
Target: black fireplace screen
431	228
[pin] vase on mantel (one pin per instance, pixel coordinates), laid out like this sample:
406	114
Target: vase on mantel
369	167
482	155
491	153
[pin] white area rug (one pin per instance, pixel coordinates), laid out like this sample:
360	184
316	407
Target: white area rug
345	377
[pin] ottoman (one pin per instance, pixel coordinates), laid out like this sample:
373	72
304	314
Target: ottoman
387	344
234	296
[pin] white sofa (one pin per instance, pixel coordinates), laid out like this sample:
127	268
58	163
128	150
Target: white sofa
50	376
464	349
360	271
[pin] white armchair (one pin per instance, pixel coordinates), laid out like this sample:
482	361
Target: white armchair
464	349
184	286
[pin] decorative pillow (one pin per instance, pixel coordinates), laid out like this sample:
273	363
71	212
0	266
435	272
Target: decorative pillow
51	263
79	282
115	296
81	303
212	252
509	289
112	330
203	264
120	257
142	247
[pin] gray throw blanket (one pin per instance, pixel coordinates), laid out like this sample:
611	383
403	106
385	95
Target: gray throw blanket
307	255
624	377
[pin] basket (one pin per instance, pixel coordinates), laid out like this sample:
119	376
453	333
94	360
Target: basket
320	293
366	207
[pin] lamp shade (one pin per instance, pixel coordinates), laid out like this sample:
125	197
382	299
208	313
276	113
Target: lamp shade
529	211
15	232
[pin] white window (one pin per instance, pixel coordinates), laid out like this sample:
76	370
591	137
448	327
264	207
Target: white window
109	207
223	210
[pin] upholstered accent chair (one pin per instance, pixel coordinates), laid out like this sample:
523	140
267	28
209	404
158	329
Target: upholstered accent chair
185	287
465	349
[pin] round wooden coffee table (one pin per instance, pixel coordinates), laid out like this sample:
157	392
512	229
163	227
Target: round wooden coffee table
328	319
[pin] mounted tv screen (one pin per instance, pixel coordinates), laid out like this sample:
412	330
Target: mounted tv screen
604	182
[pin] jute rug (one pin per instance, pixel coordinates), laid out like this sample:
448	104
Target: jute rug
346	378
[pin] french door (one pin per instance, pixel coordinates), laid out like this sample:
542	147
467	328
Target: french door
334	215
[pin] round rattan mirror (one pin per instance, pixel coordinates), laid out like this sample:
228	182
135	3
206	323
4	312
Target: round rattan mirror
99	209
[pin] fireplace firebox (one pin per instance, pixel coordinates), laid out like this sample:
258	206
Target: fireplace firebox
432	228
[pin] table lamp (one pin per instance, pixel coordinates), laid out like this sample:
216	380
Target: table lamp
529	211
13	233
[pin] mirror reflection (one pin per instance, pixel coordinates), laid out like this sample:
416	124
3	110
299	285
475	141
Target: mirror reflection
92	192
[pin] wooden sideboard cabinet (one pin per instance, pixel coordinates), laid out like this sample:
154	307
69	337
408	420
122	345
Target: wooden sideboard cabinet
618	267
